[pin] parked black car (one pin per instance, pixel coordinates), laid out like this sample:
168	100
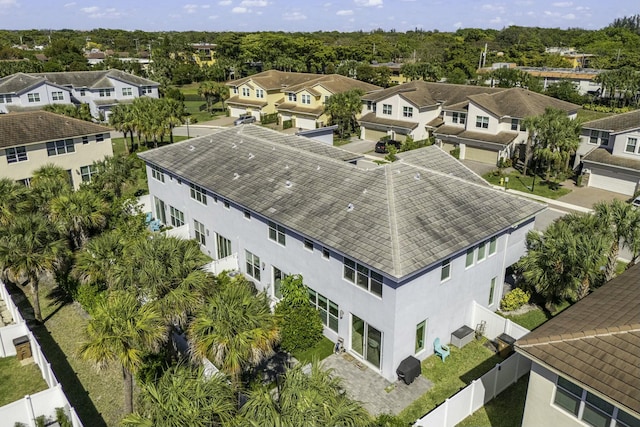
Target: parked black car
381	146
244	119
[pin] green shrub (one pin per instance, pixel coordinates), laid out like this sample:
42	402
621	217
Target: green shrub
62	419
87	294
514	300
455	152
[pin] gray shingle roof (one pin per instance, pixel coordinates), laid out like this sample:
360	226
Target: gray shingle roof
373	119
520	103
434	158
616	123
501	138
404	218
274	79
18	82
38	126
603	156
93	79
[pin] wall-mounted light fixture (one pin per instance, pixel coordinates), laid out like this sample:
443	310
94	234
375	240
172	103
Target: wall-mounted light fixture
341	314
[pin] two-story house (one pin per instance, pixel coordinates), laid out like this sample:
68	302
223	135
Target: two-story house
610	153
393	256
298	97
411	109
33	139
488	127
585	367
100	89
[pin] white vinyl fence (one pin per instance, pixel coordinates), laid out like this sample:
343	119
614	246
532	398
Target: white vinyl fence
43	403
477	394
482	390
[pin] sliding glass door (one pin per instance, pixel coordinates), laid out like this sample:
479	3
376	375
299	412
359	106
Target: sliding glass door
366	340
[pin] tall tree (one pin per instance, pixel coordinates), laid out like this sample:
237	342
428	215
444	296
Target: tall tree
343	109
122	330
234	328
30	247
121	119
77	214
15	199
48	182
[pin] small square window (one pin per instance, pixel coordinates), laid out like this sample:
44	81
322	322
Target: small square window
308	244
226	204
445	272
325	253
247	214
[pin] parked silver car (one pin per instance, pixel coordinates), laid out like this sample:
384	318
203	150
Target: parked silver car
244	119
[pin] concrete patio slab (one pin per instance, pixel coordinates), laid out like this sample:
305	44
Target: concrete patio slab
377	395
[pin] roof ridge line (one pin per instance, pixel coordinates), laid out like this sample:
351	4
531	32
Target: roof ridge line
393	224
591	333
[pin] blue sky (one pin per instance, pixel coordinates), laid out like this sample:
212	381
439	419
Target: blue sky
309	15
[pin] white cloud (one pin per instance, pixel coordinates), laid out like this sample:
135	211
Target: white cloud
70	4
239	9
190	8
91	9
224	2
294	16
496	20
569	16
205	6
213	17
457	24
368	3
344	12
563	4
254	3
493	7
8	3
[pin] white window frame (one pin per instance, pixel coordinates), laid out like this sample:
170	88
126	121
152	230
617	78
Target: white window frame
470	257
482	252
460	118
407	111
259	93
33	97
87	172
292	97
308	244
418	348
482	122
176	217
329	311
104	93
492	291
127	91
16	154
60	147
306	99
246	91
387	109
223	246
199	232
156	173
6	99
445	270
635	145
198	193
493	245
57	95
277	233
252	265
363	277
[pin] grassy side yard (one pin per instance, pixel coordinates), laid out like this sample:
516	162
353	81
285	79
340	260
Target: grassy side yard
321	350
16	380
460	368
506	410
519	182
196	105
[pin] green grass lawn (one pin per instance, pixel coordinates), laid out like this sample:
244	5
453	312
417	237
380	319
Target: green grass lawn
321	350
461	367
505	410
195	105
519	182
119	147
534	318
16	380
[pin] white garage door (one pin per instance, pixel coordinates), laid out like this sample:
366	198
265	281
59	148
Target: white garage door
374	135
237	112
480	155
306	124
617	182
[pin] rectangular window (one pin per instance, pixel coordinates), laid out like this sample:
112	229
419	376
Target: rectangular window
57	96
33	97
253	265
26	182
177	217
147	89
292	97
482	251
327	309
85	140
445	272
632	145
246	91
259	93
198	229
224	246
593	138
277	233
306	99
492	291
482	122
460	118
247	214
83	92
104	93
407	111
568	396
325	253
363	277
56	148
308	244
198	193
6	99
421	332
16	154
387	109
86	172
226	204
469	260
278	276
161	214
597	412
157	174
235	90
514	124
99	137
126	91
493	245
369	104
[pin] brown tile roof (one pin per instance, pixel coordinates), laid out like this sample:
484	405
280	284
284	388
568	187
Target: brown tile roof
274	80
236	100
295	108
520	103
615	123
425	94
334	83
596	342
501	138
39	126
603	156
372	119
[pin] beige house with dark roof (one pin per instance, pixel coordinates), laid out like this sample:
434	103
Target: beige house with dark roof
29	140
586	360
610	153
299	97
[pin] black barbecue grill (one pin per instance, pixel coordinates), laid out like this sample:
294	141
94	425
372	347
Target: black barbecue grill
408	370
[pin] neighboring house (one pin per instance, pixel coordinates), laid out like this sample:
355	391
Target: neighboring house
299	97
393	256
586	360
204	53
488	127
411	109
100	89
396	76
610	153
29	140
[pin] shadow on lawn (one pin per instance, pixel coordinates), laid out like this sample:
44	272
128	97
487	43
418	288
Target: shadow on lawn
77	395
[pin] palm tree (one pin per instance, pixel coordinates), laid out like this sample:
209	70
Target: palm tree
48	182
77	214
172	114
123	330
207	90
95	262
622	221
343	108
30	247
121	119
183	396
314	399
235	328
15	199
116	176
